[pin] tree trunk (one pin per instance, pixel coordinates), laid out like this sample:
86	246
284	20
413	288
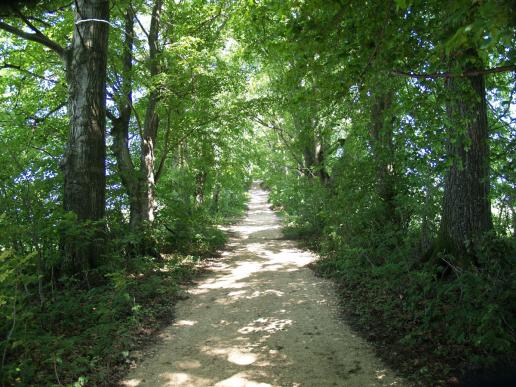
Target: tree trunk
216	197
150	129
309	159
120	129
466	212
148	158
200	180
139	184
320	159
383	151
307	144
84	160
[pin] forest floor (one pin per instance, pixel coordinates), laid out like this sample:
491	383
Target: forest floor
260	317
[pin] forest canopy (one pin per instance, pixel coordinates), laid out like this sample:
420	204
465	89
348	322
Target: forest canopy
384	130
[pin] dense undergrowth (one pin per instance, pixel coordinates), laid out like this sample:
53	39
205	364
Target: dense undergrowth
433	320
82	335
86	329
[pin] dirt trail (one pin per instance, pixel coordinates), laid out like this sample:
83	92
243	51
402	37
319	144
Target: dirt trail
261	319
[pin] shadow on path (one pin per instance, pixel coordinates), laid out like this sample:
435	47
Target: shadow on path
261	318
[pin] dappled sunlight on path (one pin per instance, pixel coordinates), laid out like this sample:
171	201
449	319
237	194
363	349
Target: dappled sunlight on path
261	318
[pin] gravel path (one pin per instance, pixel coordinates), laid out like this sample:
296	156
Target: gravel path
261	318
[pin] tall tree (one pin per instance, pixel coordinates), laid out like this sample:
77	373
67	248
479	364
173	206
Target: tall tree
83	165
150	128
382	129
85	155
139	183
466	212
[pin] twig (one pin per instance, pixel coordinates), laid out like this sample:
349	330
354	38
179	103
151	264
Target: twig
456	269
139	22
55	370
53	157
37	120
19	68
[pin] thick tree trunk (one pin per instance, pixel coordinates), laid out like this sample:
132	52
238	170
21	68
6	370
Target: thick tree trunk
84	160
466	213
309	158
383	151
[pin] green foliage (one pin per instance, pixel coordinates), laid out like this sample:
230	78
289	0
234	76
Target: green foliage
75	327
328	81
311	97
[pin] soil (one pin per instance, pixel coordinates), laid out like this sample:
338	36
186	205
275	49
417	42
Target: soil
261	318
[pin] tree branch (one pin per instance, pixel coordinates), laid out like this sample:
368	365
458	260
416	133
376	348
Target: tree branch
16	67
37	37
26	21
470	73
37	120
139	23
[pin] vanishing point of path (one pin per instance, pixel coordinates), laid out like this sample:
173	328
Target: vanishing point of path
261	318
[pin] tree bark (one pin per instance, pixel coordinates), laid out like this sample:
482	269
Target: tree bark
120	128
466	212
84	160
150	129
216	196
320	159
139	183
307	144
383	151
200	181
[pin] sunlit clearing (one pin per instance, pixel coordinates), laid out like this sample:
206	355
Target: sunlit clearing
237	293
290	256
265	292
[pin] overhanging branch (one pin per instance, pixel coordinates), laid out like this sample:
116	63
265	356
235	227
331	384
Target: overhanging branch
22	70
37	37
470	73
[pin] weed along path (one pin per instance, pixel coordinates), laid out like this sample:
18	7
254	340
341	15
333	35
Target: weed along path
260	318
